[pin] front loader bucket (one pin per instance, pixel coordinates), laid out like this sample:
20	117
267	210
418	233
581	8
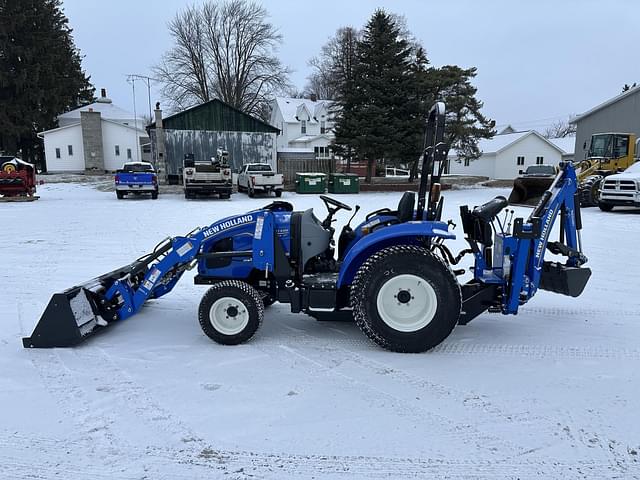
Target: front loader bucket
67	320
76	313
528	191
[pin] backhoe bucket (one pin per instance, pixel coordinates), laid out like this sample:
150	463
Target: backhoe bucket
77	313
528	191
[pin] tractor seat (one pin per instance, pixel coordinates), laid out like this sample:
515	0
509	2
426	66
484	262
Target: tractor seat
406	207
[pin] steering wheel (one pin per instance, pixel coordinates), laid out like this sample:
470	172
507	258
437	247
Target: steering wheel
330	201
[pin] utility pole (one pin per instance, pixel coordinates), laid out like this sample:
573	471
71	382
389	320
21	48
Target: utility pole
132	77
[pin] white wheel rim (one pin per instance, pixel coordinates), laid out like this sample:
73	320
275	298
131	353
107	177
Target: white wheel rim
407	303
229	316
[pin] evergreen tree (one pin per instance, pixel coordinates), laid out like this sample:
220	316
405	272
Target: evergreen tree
382	78
40	73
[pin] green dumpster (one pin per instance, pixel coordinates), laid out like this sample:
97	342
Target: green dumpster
310	182
344	183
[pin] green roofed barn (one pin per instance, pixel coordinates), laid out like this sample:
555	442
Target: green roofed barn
202	129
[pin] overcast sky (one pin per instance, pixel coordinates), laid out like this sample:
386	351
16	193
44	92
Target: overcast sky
537	60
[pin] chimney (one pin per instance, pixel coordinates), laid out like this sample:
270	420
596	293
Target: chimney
103	96
160	150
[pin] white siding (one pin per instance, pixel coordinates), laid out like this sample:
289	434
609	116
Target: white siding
483	166
115	134
530	147
61	139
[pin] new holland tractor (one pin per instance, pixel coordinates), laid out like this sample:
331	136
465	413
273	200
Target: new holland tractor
393	273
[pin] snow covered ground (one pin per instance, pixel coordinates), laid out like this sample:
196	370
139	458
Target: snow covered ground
551	393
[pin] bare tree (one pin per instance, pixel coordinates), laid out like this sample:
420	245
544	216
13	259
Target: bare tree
224	50
334	65
560	129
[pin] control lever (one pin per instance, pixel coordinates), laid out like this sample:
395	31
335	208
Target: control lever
348	225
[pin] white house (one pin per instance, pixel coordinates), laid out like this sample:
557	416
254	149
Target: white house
305	126
507	155
98	137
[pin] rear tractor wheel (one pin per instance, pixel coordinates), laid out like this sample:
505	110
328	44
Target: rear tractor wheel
405	299
231	312
119	194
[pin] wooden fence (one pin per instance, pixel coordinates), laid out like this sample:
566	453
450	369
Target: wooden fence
290	166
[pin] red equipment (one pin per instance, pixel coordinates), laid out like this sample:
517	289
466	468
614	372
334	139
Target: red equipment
17	181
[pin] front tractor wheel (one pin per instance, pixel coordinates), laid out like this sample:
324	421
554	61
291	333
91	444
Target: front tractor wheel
231	312
405	299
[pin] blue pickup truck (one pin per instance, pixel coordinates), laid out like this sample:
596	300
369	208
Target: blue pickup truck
136	178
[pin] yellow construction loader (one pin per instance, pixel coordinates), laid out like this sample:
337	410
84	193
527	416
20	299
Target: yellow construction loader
609	153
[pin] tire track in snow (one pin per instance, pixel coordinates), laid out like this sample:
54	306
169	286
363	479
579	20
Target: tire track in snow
479	408
277	465
95	420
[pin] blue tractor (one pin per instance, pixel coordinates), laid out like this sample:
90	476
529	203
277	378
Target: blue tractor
393	274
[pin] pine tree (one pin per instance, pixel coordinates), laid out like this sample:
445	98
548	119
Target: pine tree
40	73
382	76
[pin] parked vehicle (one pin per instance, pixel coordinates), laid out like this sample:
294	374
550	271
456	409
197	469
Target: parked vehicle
260	177
531	184
136	178
17	180
609	153
621	189
540	171
207	177
393	273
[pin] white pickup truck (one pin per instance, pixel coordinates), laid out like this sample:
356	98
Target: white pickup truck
621	189
260	177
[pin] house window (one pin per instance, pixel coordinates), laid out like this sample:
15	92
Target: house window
70	150
117	150
128	154
321	152
520	161
303	126
539	160
57	153
323	126
466	162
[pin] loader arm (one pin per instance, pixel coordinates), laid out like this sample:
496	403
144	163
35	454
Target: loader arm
78	312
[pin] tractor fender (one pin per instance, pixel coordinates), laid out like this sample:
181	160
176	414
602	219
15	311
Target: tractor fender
407	233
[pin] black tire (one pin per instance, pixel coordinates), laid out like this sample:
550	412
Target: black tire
188	194
278	193
240	189
401	264
589	191
605	207
241	296
120	195
154	195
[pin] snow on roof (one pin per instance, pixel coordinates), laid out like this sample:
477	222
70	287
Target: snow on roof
289	107
498	142
107	111
611	101
309	138
566	144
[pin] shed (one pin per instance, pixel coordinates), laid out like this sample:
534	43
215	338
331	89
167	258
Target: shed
204	128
